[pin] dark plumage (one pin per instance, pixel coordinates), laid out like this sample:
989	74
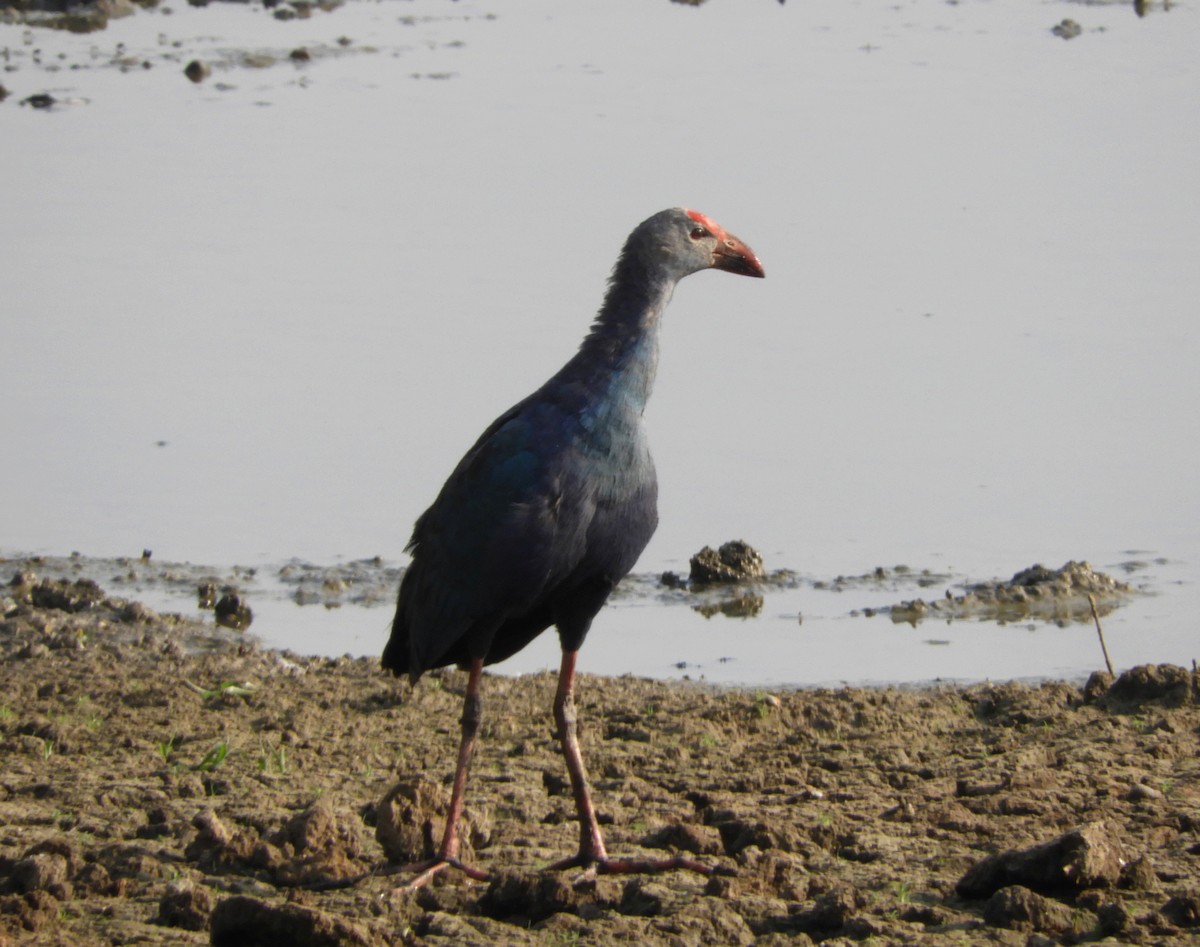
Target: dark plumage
552	506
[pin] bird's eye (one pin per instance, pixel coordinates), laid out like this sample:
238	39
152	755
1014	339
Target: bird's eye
699	233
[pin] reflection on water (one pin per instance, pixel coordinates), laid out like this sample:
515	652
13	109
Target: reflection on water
261	316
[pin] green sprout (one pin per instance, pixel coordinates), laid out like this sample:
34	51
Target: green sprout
167	747
214	757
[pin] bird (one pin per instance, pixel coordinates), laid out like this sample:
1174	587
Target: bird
547	512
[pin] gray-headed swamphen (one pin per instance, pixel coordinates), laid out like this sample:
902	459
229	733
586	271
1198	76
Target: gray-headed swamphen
549	510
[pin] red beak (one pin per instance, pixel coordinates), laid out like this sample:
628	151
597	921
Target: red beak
733	256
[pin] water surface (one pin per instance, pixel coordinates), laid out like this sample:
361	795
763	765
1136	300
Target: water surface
261	317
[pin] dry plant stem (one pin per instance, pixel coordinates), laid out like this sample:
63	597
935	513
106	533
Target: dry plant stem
1100	632
592	855
447	856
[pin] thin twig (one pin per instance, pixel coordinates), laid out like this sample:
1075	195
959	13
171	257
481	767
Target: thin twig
1100	632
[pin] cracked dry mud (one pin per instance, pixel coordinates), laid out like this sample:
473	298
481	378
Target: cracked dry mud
165	782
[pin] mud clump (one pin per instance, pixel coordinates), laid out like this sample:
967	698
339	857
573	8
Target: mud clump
1060	595
1162	684
735	561
724	581
241	921
411	814
850	815
1023	910
186	906
231	611
1088	857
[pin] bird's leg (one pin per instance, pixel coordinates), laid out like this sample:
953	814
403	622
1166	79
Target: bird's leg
592	855
591	842
447	855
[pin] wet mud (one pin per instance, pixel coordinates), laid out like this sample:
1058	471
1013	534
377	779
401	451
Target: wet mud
42	53
1072	593
169	782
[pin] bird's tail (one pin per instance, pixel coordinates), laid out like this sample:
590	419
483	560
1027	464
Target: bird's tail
397	653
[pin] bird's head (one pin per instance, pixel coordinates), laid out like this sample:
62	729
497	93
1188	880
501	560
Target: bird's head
720	249
678	242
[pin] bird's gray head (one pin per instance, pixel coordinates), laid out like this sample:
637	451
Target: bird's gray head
686	241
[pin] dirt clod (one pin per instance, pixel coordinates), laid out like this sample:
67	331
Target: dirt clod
1024	910
1164	684
1087	857
326	841
41	872
685	837
410	817
186	906
1183	910
242	921
517	897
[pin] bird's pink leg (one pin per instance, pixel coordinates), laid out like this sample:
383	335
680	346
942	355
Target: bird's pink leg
592	855
591	842
447	856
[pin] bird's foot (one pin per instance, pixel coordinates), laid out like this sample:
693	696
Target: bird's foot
427	870
594	865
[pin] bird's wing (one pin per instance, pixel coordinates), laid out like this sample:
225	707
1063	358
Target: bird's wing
511	520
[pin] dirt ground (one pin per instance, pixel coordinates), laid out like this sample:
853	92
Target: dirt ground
166	782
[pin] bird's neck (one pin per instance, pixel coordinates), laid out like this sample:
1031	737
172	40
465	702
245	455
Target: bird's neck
618	359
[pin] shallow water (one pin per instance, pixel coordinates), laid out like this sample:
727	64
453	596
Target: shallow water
261	317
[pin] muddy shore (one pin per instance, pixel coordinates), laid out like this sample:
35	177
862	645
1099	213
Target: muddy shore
168	782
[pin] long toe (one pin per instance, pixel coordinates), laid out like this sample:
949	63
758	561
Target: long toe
426	871
630	866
